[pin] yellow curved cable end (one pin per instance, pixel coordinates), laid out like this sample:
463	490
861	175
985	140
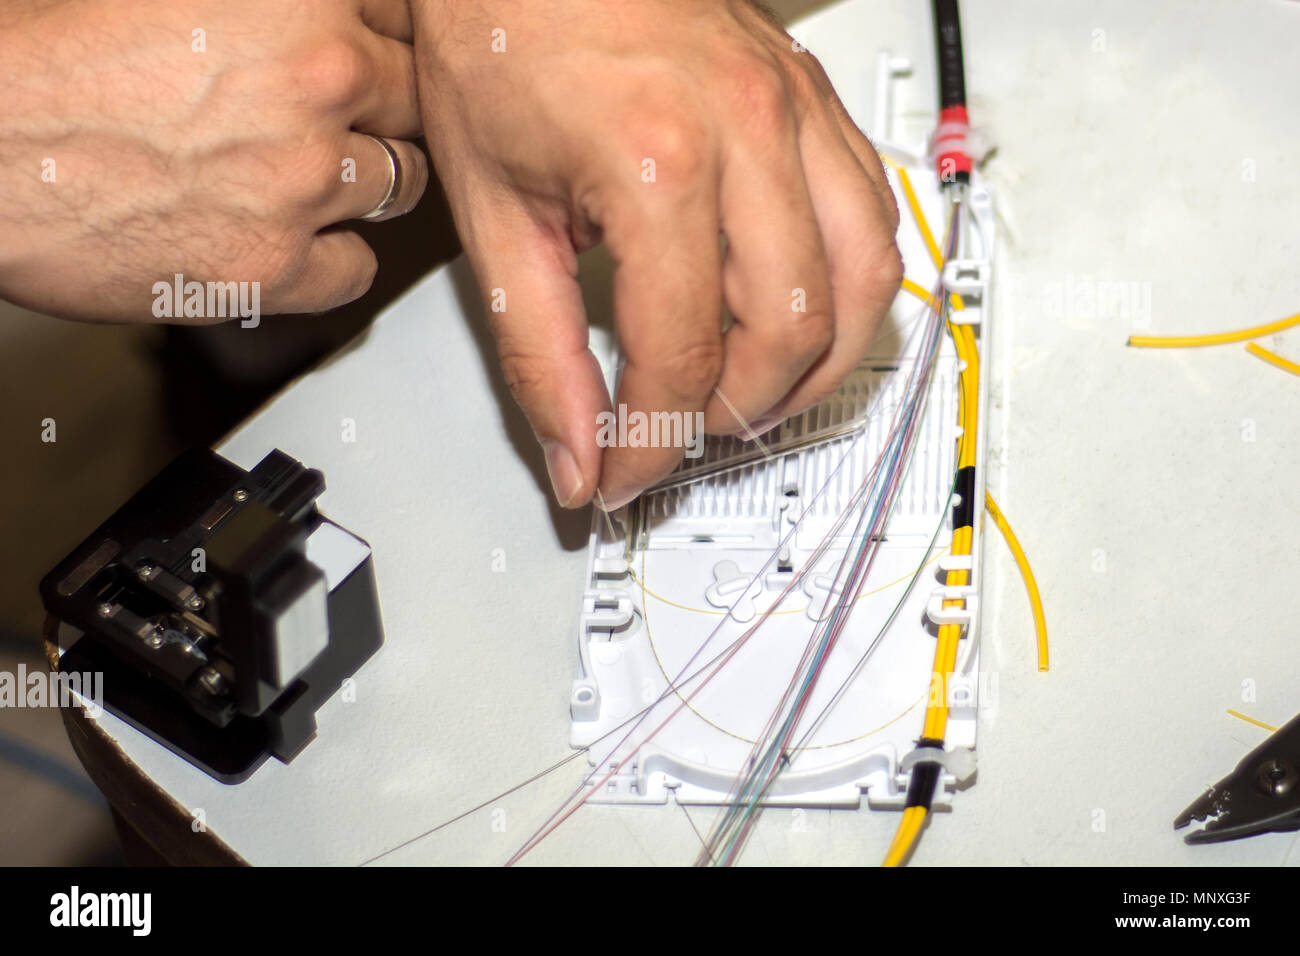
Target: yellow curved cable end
919	291
922	293
905	837
1221	338
1031	585
1251	720
1272	358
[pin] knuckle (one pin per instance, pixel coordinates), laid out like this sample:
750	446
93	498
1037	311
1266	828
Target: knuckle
886	192
812	333
804	88
525	375
672	140
895	217
878	283
336	73
888	275
694	368
810	77
362	277
758	94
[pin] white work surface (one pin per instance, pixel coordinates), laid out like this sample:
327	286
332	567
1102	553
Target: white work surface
1152	144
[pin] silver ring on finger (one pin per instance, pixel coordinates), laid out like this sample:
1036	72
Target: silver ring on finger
394	179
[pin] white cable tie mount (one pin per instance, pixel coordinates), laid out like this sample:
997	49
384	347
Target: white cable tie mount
956	562
963	614
966	277
959	762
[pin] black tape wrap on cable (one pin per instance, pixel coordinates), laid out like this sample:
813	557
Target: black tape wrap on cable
952	73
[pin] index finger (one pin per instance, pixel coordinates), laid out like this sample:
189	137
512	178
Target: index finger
668	315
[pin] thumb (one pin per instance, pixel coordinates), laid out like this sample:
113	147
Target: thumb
534	307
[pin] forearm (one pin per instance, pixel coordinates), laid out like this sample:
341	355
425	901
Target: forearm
71	165
30	113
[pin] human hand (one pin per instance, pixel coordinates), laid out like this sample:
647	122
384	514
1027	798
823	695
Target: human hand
655	126
212	138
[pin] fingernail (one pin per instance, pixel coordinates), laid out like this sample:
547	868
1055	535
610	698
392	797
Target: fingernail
614	502
763	426
566	479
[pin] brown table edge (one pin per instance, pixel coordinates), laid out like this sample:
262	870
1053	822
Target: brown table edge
156	817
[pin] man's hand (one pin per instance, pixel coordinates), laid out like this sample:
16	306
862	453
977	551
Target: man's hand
218	139
657	126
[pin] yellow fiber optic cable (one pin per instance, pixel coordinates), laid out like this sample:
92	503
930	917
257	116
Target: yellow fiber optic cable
1220	338
1251	720
909	829
1272	358
1022	562
918	216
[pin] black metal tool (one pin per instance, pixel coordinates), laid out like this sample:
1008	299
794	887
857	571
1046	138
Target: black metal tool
1261	795
221	609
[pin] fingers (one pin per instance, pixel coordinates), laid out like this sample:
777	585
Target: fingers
388	105
360	178
390	18
339	266
776	279
869	161
668	313
865	269
528	279
367	175
857	141
366	84
362	81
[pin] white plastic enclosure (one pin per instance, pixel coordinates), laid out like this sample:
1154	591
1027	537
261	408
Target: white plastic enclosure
666	570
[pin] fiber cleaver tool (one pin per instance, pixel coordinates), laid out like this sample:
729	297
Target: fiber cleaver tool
221	609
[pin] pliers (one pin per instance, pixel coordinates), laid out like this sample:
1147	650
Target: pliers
1261	795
